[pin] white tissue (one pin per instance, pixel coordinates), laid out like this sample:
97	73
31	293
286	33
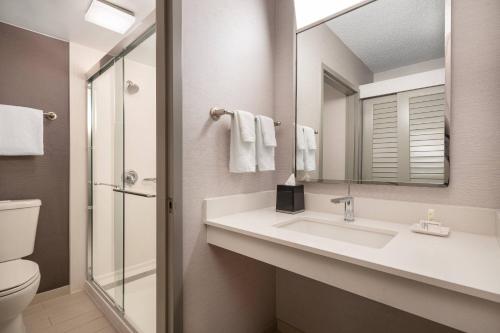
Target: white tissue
291	180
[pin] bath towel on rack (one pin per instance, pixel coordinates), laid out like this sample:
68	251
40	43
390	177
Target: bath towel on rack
300	149
310	151
242	145
265	143
21	131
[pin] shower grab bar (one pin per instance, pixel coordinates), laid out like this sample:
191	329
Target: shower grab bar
116	188
107	184
146	195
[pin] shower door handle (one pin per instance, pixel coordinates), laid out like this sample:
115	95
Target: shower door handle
146	195
106	184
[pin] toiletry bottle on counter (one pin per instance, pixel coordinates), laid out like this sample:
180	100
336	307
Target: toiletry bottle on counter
430	214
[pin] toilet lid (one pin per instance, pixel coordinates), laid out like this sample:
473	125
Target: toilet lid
15	273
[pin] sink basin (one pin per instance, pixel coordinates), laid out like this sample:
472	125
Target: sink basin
360	235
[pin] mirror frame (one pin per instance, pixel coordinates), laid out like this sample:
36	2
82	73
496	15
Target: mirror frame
448	77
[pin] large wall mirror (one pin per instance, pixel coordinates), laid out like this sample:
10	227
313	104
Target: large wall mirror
373	95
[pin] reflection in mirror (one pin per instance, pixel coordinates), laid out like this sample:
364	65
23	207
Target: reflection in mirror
371	96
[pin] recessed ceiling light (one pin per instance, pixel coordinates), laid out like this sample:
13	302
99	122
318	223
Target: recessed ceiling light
311	11
110	16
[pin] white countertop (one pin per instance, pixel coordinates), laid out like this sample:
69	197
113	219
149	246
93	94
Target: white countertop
463	262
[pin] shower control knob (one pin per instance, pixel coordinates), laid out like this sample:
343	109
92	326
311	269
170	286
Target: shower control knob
130	177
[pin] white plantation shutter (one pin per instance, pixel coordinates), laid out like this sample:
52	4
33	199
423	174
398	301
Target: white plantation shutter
380	140
427	136
404	137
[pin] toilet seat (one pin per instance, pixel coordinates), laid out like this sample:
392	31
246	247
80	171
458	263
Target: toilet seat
16	275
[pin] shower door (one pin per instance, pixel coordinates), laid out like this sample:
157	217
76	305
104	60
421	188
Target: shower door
107	133
123	184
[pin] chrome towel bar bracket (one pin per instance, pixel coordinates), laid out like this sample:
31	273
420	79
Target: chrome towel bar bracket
216	113
50	115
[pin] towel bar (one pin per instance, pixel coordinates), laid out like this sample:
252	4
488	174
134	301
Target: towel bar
50	115
216	113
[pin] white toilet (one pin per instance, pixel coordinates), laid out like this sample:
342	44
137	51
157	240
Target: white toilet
19	278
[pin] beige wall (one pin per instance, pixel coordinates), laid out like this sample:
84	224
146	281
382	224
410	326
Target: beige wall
475	161
228	48
81	59
419	67
316	48
106	234
333	140
140	141
284	87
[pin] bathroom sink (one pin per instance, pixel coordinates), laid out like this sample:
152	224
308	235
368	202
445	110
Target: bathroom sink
340	231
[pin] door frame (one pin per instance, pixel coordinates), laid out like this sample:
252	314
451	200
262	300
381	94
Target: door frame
169	166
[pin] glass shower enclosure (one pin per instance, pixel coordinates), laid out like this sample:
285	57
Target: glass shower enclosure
122	182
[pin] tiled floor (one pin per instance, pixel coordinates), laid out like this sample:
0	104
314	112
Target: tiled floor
70	313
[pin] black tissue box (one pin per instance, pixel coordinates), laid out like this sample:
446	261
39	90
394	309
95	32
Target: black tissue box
290	199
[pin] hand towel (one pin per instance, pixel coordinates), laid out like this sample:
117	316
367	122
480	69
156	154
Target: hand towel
265	146
310	151
242	146
21	131
268	131
246	125
300	148
310	138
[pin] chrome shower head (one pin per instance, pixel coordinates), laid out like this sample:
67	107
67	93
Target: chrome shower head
132	87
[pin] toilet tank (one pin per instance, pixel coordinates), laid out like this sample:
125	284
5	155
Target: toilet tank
18	221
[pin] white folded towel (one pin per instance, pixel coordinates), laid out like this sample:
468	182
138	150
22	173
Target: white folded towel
265	143
268	131
247	125
242	145
310	138
21	131
300	143
310	151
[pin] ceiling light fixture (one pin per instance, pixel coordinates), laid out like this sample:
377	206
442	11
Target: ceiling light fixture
310	11
110	16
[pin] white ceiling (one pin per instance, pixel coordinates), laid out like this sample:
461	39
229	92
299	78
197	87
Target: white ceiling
387	34
64	19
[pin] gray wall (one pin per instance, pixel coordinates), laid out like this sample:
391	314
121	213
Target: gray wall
228	48
475	158
34	72
314	307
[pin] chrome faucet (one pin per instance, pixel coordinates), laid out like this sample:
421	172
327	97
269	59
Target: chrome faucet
348	204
